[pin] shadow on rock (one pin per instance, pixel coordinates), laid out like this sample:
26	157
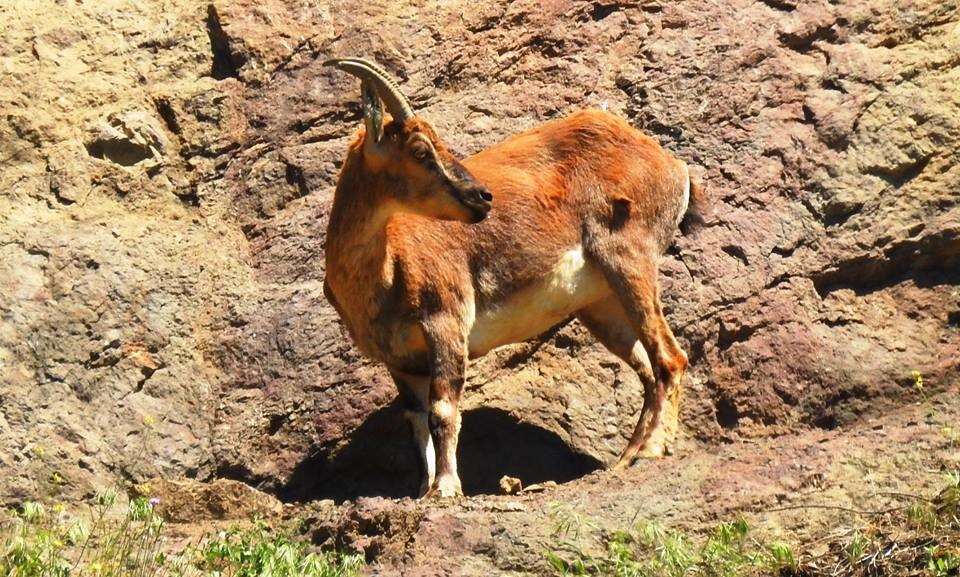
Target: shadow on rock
493	443
380	458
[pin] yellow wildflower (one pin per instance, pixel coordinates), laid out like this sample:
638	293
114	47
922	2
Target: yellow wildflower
917	380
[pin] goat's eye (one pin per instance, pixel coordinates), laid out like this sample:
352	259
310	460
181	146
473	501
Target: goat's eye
420	149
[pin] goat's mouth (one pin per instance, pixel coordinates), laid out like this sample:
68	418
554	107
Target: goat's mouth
470	193
476	199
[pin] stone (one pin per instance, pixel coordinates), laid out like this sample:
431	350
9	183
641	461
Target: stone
162	244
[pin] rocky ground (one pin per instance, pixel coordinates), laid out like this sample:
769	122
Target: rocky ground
167	171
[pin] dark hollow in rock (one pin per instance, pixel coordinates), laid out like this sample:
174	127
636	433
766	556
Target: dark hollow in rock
727	414
380	459
953	318
122	152
224	65
168	114
494	443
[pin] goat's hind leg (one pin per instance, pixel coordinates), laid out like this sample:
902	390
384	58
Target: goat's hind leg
631	271
414	394
607	321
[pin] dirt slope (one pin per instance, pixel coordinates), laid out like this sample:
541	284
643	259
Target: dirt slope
168	167
798	488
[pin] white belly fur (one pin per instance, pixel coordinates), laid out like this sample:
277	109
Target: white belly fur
572	284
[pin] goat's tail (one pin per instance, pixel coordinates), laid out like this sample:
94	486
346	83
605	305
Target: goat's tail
696	207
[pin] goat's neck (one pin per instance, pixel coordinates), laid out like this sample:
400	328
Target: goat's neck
358	248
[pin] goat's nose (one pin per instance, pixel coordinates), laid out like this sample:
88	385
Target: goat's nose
485	195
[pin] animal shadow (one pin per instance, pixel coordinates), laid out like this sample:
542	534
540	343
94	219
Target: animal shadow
380	458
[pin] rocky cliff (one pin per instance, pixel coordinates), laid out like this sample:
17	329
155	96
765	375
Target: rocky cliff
168	168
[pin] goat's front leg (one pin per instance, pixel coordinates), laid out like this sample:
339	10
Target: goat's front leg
414	395
448	353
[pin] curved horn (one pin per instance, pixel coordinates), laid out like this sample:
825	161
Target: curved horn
397	104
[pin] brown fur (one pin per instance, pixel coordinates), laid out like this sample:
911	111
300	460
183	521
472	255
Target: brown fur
409	278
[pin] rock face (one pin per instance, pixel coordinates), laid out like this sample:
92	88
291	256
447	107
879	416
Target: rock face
168	169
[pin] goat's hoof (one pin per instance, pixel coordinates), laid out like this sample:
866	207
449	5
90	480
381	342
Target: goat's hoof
438	494
445	488
652	452
649	451
622	464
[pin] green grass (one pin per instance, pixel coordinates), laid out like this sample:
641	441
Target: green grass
127	540
919	540
650	550
257	552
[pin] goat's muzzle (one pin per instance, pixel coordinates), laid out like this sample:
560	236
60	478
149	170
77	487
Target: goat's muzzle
478	200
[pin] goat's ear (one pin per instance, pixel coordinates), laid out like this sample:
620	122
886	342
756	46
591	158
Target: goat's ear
372	112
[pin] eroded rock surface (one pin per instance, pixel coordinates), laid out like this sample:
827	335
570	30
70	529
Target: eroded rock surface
168	168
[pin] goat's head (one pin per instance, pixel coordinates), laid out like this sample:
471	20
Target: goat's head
426	178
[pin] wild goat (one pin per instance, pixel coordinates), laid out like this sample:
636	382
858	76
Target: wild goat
432	260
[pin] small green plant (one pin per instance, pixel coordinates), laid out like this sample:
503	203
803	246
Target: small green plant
559	565
670	552
949	497
727	551
568	527
856	547
32	550
920	539
780	558
39	544
922	516
650	550
943	563
126	541
953	479
256	552
568	523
